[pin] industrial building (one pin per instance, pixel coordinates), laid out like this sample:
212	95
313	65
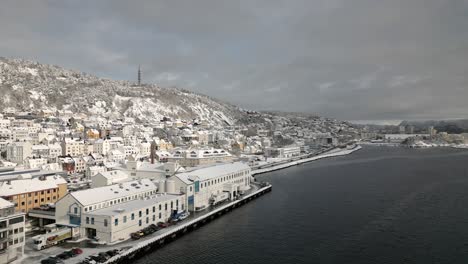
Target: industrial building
285	152
205	186
117	222
112	212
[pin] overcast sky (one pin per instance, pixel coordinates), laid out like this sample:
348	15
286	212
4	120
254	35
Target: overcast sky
348	59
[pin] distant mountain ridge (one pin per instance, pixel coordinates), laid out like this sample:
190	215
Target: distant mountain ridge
454	126
27	86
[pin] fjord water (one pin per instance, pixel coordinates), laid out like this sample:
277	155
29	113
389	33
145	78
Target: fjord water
378	205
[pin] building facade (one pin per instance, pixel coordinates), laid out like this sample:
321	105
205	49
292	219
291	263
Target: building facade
12	232
196	157
203	186
27	194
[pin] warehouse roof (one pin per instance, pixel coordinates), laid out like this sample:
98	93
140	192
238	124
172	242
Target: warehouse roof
15	187
123	208
115	191
212	172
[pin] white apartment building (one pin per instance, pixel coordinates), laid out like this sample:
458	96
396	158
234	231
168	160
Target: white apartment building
5	123
20	133
102	146
21	123
12	237
94	170
18	151
107	178
35	163
144	148
80	164
55	150
72	147
202	186
116	155
6	133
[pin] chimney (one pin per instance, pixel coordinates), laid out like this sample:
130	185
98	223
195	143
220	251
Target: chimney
153	151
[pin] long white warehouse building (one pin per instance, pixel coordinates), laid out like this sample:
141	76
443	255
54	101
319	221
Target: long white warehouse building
112	212
204	186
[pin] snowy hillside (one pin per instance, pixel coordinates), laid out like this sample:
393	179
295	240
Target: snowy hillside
29	86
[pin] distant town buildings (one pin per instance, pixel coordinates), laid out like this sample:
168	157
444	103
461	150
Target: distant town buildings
105	178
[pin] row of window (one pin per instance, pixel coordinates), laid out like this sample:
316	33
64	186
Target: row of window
16	241
140	214
37	193
124	219
16	231
223	179
36	200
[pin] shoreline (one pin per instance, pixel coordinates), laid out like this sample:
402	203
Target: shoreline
142	248
301	161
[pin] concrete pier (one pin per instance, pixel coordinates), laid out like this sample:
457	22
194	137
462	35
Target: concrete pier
153	244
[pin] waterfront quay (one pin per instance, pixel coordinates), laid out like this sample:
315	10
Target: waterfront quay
335	152
132	249
158	241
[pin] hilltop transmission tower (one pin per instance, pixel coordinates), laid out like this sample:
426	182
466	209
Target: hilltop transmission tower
139	75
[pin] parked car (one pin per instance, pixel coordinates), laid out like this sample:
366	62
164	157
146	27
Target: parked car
98	258
51	260
163	225
183	216
77	251
105	255
87	261
147	231
112	252
137	235
64	255
154	227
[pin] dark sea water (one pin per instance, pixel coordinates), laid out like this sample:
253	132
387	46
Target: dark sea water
378	205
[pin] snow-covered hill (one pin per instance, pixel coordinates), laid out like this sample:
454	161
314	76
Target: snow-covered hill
29	86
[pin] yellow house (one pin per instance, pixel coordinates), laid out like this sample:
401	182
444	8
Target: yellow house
92	134
27	194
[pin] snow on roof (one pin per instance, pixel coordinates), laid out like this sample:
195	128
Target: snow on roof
4	203
101	194
212	172
30	185
114	176
147	166
74	140
123	208
40	147
201	153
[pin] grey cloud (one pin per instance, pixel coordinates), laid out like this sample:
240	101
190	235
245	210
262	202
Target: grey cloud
357	60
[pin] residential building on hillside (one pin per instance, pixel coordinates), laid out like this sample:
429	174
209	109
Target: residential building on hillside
73	147
18	151
196	157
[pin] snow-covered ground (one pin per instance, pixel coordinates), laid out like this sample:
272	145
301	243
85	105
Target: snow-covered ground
332	153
